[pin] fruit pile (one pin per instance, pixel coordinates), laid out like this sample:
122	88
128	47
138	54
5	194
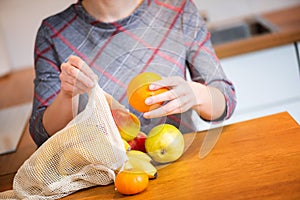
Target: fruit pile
163	144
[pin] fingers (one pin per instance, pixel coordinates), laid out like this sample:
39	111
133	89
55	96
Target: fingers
165	110
76	76
165	82
69	81
180	97
178	105
84	68
177	88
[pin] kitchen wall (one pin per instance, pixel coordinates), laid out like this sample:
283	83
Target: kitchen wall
19	21
4	64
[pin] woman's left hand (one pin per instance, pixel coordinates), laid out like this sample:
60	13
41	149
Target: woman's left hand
181	96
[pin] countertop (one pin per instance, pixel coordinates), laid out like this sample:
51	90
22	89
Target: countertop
254	159
287	23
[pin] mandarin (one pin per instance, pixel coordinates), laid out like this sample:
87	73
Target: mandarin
130	183
138	91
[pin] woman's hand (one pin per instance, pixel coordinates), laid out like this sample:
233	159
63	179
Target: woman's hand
182	95
76	77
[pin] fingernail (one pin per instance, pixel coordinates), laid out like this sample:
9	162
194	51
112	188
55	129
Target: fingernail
151	87
91	84
148	101
146	115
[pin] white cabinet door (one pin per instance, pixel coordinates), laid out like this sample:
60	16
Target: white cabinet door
266	82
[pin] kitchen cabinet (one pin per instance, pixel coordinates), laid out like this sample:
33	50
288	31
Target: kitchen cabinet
266	81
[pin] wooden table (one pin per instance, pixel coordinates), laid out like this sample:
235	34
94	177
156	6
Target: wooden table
256	159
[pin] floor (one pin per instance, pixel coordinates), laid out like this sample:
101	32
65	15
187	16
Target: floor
15	107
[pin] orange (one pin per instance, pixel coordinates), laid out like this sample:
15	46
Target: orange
130	183
138	91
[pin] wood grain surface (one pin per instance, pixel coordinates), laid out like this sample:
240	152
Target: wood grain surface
255	159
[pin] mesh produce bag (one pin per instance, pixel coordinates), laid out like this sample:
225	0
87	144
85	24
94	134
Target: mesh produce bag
83	154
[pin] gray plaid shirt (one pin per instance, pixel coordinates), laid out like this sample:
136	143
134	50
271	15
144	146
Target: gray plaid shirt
166	37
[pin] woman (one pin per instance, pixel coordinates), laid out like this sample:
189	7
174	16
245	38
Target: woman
111	41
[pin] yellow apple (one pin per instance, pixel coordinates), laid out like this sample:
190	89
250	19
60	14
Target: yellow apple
127	123
164	143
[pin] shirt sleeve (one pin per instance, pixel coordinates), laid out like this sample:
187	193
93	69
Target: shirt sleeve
203	63
46	83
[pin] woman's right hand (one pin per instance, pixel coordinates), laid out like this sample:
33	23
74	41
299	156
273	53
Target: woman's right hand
76	77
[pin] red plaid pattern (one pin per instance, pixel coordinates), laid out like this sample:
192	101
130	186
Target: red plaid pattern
167	37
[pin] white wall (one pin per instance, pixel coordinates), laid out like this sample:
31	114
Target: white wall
20	19
4	64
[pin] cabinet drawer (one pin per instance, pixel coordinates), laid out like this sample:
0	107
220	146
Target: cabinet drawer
265	80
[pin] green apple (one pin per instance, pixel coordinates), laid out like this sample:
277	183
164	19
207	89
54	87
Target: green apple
164	143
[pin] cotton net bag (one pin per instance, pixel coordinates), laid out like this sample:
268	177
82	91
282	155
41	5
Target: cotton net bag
83	154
